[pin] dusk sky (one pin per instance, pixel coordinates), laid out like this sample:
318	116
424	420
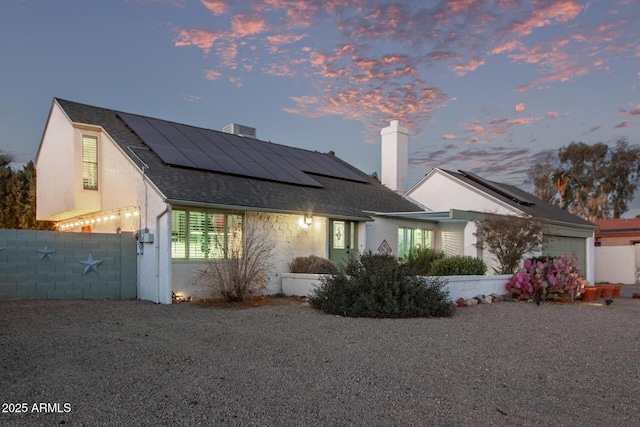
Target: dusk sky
486	86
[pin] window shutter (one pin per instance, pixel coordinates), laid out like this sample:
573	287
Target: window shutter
89	162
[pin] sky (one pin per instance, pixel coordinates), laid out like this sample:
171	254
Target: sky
488	86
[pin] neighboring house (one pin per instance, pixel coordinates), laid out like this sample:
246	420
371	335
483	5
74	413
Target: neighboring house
618	232
466	196
185	189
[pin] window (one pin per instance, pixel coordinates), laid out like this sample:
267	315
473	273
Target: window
413	238
199	235
89	162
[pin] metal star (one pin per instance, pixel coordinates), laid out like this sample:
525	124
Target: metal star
45	252
90	264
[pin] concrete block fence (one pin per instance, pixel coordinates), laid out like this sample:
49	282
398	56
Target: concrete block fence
53	265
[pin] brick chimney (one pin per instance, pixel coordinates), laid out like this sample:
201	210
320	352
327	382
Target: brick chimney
395	157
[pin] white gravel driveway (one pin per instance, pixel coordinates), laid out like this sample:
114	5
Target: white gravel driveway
133	363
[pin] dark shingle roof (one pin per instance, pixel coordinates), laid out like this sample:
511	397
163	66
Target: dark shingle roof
336	197
537	207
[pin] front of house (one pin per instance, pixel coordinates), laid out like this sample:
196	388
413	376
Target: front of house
185	191
469	197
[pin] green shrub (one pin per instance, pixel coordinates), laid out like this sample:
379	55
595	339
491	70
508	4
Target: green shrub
374	286
419	261
372	263
312	265
458	266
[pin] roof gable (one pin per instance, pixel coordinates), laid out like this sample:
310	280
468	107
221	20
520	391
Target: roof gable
519	199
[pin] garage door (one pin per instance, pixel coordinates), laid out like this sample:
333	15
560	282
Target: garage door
557	245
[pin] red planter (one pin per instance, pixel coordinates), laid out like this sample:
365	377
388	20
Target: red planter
607	291
591	293
616	291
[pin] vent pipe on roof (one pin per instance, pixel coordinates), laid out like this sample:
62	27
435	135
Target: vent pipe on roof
395	156
240	130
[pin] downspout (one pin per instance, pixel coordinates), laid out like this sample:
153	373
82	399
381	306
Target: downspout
139	244
157	240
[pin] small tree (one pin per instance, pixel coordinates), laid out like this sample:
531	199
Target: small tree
509	238
18	197
243	271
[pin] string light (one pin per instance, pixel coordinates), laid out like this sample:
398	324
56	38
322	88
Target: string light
99	218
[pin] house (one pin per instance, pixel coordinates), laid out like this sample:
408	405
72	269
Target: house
183	189
618	232
468	197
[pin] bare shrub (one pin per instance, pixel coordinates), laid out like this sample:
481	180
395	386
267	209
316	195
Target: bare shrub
244	270
509	238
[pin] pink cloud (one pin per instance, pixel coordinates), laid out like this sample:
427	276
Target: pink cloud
212	75
372	61
633	111
247	24
471	65
217	7
203	39
279	39
561	76
279	70
622	124
547	13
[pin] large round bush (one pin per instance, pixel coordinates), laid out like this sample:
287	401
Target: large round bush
373	286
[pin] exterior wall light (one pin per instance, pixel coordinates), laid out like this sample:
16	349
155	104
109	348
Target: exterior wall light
308	219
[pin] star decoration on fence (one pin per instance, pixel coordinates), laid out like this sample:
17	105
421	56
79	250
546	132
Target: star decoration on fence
90	264
45	253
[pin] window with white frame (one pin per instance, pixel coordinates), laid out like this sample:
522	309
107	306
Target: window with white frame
413	238
89	162
200	235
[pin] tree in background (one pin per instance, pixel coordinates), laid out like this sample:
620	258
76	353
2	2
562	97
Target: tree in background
18	197
591	181
543	187
509	238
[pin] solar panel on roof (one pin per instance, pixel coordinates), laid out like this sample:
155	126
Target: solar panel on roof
498	189
182	145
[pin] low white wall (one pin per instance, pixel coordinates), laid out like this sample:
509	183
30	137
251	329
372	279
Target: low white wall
458	286
616	264
471	286
299	284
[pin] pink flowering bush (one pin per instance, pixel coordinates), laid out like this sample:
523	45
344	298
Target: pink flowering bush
547	278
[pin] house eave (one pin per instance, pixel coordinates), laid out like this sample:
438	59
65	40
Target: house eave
205	205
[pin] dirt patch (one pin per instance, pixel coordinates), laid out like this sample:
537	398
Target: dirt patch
269	300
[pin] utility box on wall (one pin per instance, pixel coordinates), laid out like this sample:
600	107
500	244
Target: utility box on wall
144	236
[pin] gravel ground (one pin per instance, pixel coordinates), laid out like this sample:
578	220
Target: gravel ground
133	363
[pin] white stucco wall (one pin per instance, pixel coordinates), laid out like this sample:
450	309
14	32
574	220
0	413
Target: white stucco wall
616	264
55	167
385	228
292	240
440	193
